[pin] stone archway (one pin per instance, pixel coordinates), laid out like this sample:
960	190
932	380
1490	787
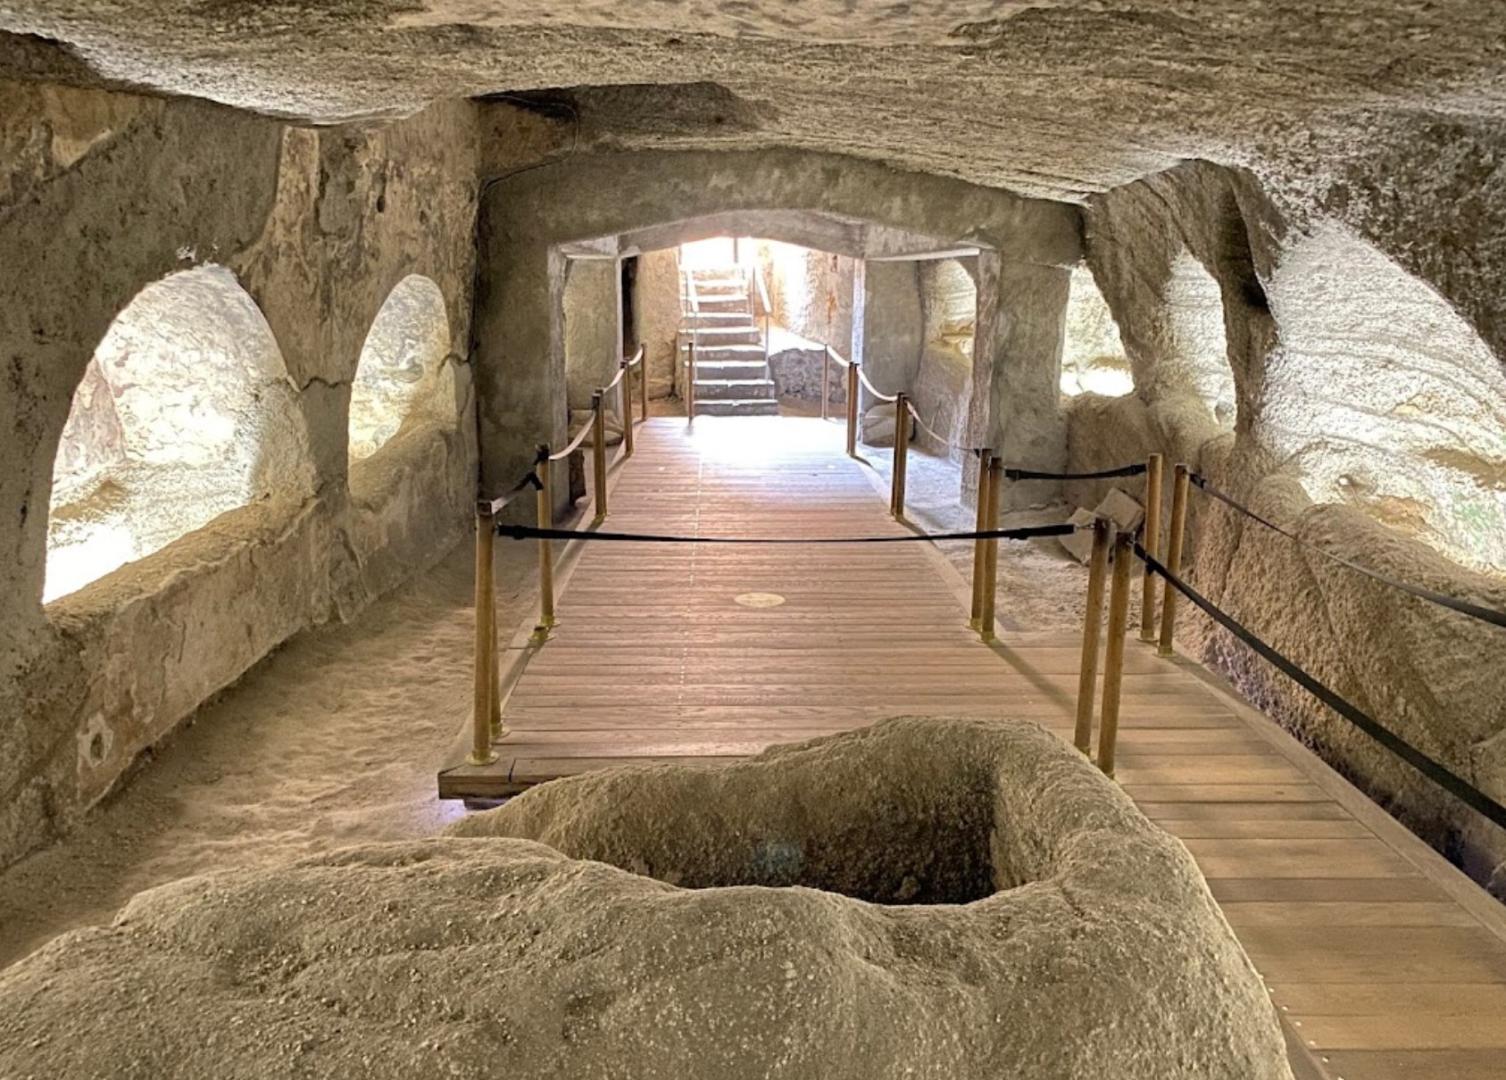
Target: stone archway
402	376
185	411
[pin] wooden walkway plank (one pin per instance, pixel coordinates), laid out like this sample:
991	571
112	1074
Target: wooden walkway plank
1380	959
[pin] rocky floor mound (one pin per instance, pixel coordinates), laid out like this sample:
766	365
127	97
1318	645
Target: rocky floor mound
949	899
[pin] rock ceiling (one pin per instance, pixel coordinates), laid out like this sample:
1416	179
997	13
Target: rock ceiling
1058	98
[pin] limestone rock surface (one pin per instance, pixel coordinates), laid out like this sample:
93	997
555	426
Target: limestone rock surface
1007	912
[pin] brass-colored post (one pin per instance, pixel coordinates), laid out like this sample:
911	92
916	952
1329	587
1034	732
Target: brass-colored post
599	452
690	386
627	411
985	463
495	697
1174	558
901	456
1113	657
1092	624
486	655
643	382
991	551
1152	544
545	520
852	410
825	381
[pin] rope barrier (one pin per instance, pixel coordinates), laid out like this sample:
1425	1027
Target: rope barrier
1464	607
929	430
580	437
1436	772
621	371
1102	474
1029	532
875	391
495	506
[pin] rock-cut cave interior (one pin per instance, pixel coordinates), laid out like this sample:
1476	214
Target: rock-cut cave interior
786	538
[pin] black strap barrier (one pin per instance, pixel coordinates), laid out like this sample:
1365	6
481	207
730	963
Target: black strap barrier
530	532
1464	607
1102	474
1440	774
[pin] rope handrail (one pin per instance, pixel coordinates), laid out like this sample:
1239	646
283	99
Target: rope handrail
636	359
756	273
929	430
574	444
1438	773
838	357
1137	468
875	391
1453	603
621	371
1024	532
493	507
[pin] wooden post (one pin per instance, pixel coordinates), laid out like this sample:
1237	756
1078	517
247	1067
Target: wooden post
1152	544
985	463
766	335
901	456
599	452
1092	624
643	381
690	387
1174	558
486	655
1113	657
825	381
545	520
627	410
991	552
852	410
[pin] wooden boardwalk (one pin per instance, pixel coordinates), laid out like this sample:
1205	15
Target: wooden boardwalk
1386	962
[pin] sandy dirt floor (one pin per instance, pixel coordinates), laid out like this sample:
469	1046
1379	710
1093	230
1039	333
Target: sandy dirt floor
335	738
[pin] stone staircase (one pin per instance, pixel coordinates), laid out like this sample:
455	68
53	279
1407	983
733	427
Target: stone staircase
732	368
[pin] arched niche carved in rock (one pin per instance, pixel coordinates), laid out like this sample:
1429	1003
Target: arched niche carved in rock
184	412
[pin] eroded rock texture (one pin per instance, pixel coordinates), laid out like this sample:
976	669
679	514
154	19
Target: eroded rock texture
962	892
1333	393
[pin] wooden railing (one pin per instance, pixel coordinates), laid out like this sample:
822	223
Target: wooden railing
1112	556
755	282
486	715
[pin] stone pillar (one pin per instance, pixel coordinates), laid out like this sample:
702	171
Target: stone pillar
1016	406
518	354
593	325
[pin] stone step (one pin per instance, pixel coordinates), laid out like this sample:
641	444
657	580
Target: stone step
714	336
720	318
715	354
724	302
731	369
737	407
734	389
